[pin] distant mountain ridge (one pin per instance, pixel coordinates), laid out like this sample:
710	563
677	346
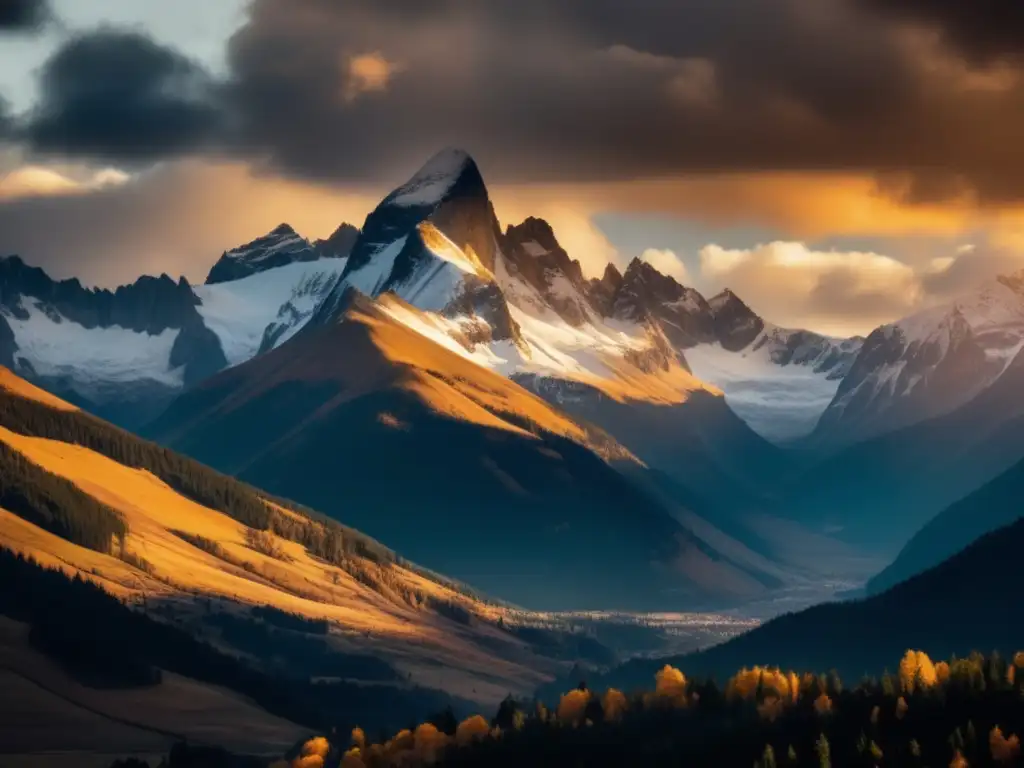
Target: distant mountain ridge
930	363
151	331
124	353
437	243
519	303
930	412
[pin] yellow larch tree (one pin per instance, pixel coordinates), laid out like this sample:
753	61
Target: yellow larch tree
471	729
1004	749
572	706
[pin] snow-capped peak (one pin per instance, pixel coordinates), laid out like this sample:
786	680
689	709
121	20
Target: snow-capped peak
930	362
991	305
283	229
281	246
434	180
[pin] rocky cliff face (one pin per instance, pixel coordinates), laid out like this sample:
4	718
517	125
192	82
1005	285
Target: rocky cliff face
535	254
277	248
340	244
8	345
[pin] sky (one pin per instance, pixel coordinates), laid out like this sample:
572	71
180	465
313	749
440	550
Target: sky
837	163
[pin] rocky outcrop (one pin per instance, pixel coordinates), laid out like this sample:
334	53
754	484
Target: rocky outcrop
340	244
534	252
604	290
735	324
198	349
278	248
682	313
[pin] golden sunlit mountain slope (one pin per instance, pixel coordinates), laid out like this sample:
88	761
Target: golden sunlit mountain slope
356	613
460	468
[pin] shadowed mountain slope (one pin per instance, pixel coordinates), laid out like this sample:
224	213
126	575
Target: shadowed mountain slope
460	468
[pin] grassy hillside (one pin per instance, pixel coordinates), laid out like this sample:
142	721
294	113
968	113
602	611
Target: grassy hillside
56	505
29	411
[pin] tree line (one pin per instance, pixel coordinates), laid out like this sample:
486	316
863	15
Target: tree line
57	505
959	713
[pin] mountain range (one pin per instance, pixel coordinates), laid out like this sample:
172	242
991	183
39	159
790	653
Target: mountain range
433	376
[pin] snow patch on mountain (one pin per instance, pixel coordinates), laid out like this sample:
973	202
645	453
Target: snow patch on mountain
436	283
433	181
535	249
779	402
992	307
241	311
500	356
547	346
92	358
372	276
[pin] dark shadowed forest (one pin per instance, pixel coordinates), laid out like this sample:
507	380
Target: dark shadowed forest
960	713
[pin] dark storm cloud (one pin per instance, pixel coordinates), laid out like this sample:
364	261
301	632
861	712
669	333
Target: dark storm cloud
983	29
119	96
24	15
614	89
349	90
597	88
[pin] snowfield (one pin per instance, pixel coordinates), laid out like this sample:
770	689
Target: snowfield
433	180
92	357
240	311
779	402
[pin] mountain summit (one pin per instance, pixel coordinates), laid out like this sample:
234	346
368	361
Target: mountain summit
279	248
930	363
433	242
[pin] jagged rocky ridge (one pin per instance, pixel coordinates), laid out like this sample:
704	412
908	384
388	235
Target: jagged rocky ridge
280	247
436	243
